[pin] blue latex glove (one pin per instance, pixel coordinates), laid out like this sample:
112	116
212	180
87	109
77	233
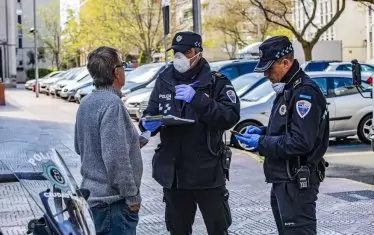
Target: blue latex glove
184	92
251	140
253	130
151	125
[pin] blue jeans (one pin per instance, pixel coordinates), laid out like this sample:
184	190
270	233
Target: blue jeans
115	219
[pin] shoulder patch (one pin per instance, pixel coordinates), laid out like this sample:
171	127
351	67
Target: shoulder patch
231	95
303	107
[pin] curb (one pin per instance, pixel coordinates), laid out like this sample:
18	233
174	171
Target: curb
250	154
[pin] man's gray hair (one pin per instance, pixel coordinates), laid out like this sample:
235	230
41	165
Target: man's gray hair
101	65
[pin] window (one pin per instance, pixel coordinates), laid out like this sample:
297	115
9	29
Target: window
343	86
322	83
247	68
245	82
259	92
344	67
231	72
367	68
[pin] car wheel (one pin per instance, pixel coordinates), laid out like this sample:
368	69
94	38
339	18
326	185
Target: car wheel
241	128
364	129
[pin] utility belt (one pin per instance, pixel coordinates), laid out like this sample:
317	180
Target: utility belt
301	173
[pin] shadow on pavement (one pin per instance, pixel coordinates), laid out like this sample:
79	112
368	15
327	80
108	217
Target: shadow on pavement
357	173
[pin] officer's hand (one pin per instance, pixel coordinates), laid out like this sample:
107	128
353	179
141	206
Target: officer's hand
184	92
251	140
253	130
135	207
151	125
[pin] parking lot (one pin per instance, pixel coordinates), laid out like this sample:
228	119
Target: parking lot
26	116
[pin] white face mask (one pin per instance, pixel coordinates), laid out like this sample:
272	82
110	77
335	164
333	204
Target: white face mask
181	63
278	87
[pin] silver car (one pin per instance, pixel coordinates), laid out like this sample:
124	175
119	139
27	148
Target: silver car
350	112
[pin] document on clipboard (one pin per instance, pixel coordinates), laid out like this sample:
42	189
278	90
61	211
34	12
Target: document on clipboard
170	120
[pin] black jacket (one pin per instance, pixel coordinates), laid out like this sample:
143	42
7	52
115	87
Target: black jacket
304	107
183	159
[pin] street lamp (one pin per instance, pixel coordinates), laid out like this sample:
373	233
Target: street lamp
34	31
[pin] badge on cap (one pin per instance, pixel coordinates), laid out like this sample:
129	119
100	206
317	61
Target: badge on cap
232	96
303	107
260	53
179	38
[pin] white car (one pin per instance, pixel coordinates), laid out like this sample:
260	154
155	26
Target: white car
68	92
79	74
46	84
350	113
132	101
30	83
346	66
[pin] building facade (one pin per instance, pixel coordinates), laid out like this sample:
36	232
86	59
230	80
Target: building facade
350	28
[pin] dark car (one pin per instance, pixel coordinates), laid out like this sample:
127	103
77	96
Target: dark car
234	68
317	65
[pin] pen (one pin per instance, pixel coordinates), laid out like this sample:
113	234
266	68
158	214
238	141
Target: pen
195	83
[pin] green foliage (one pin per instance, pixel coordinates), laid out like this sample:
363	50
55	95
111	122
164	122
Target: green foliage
42	72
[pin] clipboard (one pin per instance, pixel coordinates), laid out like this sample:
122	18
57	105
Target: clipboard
170	120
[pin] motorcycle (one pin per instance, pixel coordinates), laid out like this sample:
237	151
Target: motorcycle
43	173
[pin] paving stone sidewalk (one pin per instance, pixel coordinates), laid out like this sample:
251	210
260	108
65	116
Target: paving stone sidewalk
344	206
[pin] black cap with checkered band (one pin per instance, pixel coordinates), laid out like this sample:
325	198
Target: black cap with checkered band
271	50
183	41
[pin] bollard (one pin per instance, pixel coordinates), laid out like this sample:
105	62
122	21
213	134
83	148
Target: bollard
2	93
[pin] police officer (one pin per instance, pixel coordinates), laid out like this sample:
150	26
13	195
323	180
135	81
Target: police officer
294	141
187	163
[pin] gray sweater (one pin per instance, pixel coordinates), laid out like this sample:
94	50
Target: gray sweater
108	144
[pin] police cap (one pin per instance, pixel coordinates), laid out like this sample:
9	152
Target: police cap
271	50
183	41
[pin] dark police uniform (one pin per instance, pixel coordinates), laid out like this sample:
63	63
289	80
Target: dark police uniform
297	135
186	162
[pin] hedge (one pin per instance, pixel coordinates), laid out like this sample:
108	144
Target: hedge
42	72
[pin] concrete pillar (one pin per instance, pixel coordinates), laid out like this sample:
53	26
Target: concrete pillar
12	35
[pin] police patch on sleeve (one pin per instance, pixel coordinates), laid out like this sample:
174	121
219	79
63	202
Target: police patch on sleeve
303	107
232	96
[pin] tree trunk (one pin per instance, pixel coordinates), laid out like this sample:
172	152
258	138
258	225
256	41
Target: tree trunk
307	47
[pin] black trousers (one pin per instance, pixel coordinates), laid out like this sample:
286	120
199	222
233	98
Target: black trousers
294	209
181	205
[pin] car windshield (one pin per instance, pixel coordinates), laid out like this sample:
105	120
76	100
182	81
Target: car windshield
259	92
73	73
143	73
245	82
85	78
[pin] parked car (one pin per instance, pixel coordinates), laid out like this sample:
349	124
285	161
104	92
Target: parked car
234	68
45	84
316	65
247	82
133	100
350	113
79	74
30	84
68	92
347	66
82	92
141	77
